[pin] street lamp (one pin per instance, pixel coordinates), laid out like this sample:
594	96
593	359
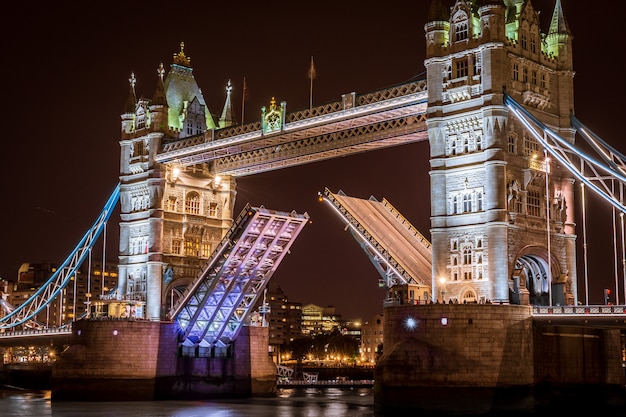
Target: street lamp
442	281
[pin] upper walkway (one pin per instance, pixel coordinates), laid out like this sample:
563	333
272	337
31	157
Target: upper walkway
357	123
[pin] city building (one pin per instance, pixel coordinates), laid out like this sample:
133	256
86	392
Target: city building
371	340
352	328
282	316
319	320
88	287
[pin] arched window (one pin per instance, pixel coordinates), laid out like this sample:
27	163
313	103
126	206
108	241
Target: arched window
461	31
467	202
533	203
171	204
512	143
192	203
467	256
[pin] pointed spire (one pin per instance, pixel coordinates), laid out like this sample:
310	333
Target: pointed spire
559	25
228	116
131	101
159	92
559	39
438	12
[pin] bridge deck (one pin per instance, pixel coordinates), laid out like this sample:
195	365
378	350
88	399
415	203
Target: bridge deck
218	302
387	237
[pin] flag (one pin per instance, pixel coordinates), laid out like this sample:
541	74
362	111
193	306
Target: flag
312	73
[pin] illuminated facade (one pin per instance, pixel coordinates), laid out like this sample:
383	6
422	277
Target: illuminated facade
371	340
84	290
495	235
502	224
319	320
283	317
171	217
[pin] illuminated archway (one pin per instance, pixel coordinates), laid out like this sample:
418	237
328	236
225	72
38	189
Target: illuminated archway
531	281
468	296
172	294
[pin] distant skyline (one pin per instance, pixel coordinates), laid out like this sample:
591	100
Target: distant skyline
67	67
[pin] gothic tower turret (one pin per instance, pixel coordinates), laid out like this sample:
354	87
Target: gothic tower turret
158	107
505	232
228	115
172	217
559	38
437	28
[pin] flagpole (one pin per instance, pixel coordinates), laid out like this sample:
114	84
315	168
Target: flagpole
243	100
311	76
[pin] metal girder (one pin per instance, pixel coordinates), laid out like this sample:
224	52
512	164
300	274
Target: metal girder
217	303
399	252
603	171
380	134
388	117
25	314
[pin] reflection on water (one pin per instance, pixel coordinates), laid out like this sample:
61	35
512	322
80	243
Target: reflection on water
293	402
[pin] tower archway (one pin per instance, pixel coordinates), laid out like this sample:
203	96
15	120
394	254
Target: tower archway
172	293
531	282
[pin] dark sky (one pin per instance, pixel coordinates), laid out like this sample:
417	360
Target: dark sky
66	70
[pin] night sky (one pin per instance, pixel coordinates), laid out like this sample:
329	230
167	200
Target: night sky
66	70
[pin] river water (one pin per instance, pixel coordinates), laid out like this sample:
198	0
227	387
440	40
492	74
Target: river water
292	402
296	402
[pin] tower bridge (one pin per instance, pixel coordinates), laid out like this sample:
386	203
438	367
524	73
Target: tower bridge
496	107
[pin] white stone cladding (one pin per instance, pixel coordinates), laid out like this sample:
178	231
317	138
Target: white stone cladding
488	176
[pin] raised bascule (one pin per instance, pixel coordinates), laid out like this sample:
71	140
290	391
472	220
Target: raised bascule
487	311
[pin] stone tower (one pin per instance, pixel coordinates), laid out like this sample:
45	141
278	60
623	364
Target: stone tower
172	217
502	223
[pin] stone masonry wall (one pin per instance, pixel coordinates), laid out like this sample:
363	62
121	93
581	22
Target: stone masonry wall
477	345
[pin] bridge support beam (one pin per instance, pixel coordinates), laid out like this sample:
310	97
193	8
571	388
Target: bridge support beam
117	360
485	358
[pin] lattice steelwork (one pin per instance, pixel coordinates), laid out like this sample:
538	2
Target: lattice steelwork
604	171
408	260
358	123
25	314
216	305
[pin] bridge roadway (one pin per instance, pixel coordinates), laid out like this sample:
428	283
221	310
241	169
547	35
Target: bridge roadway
399	251
592	316
596	316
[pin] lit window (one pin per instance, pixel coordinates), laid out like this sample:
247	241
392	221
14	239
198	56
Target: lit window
461	31
192	203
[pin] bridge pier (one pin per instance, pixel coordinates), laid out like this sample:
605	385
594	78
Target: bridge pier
126	360
483	358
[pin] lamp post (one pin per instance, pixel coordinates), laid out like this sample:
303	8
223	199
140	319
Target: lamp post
442	281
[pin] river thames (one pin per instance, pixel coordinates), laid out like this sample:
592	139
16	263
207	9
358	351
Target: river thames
293	402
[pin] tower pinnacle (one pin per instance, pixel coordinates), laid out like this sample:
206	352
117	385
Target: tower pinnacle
227	118
180	58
